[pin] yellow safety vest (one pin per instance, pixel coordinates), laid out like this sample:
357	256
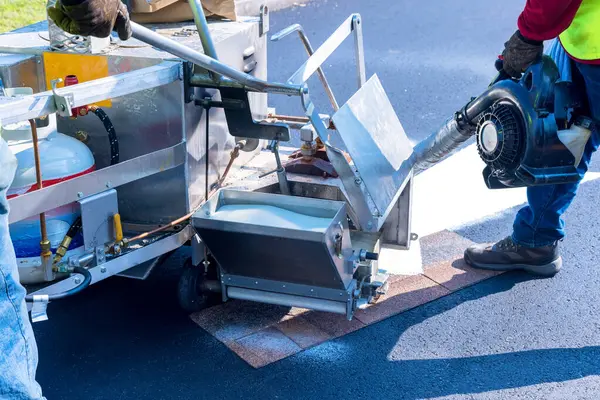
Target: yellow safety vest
582	38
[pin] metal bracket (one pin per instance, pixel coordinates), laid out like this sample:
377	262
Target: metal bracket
188	90
97	213
63	104
39	307
242	124
263	26
100	255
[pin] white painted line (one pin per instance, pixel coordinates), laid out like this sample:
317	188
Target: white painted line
453	194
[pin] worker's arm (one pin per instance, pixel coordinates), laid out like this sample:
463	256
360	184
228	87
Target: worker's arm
546	19
540	20
92	17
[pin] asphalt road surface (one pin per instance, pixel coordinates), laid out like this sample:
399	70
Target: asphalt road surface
508	337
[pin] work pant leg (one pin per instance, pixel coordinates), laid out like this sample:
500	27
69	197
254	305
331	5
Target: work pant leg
18	350
540	223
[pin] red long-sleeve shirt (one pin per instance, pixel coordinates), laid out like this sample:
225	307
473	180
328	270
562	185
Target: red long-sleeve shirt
546	19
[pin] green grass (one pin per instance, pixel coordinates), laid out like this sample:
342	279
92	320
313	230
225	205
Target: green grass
18	13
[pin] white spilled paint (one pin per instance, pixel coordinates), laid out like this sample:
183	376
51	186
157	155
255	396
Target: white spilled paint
450	195
396	261
453	194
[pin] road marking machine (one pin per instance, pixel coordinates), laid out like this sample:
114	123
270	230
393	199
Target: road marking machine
129	150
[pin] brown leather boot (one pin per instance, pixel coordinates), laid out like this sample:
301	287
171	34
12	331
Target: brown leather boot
506	255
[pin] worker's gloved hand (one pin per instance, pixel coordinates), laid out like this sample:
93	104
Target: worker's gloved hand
91	17
519	53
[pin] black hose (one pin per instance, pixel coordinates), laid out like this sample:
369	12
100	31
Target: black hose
62	249
112	134
74	228
87	279
504	90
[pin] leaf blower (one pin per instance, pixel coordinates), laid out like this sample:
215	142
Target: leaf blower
531	131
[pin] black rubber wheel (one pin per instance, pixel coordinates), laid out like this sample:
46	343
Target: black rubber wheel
191	297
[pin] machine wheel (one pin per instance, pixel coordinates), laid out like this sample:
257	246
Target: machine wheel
189	293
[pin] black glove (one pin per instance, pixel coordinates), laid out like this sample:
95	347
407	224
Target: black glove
519	53
92	17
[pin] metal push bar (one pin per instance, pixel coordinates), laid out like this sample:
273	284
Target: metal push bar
211	64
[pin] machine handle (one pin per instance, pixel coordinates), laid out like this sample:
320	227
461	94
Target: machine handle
502	75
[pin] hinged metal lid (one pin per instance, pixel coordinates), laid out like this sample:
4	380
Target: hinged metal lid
374	138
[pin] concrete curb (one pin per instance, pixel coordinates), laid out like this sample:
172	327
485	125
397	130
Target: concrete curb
252	7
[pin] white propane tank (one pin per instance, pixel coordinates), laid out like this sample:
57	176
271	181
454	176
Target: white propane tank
61	157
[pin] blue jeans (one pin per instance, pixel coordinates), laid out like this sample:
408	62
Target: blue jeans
18	350
540	223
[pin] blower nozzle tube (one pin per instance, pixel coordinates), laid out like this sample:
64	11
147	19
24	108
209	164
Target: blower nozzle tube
458	129
439	145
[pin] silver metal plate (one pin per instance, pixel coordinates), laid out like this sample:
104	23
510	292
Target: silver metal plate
375	139
97	214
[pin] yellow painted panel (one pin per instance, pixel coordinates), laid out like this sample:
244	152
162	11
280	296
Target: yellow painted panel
85	67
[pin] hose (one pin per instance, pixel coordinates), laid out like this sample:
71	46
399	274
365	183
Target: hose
87	279
74	229
112	134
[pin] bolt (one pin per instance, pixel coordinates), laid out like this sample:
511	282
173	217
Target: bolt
358	181
256	283
77	280
80	194
108	184
103	269
283	285
312	290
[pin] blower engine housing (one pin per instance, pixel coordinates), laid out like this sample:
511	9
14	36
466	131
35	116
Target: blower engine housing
533	132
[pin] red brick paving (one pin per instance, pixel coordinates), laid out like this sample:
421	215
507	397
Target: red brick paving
456	275
403	295
302	332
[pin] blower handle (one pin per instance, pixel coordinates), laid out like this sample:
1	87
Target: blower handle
502	75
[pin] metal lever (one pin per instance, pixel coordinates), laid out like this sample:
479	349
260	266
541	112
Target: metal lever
284	186
202	60
309	49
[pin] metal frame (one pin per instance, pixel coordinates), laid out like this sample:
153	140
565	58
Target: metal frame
397	227
289	288
42	104
123	262
350	26
309	49
292	295
66	192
